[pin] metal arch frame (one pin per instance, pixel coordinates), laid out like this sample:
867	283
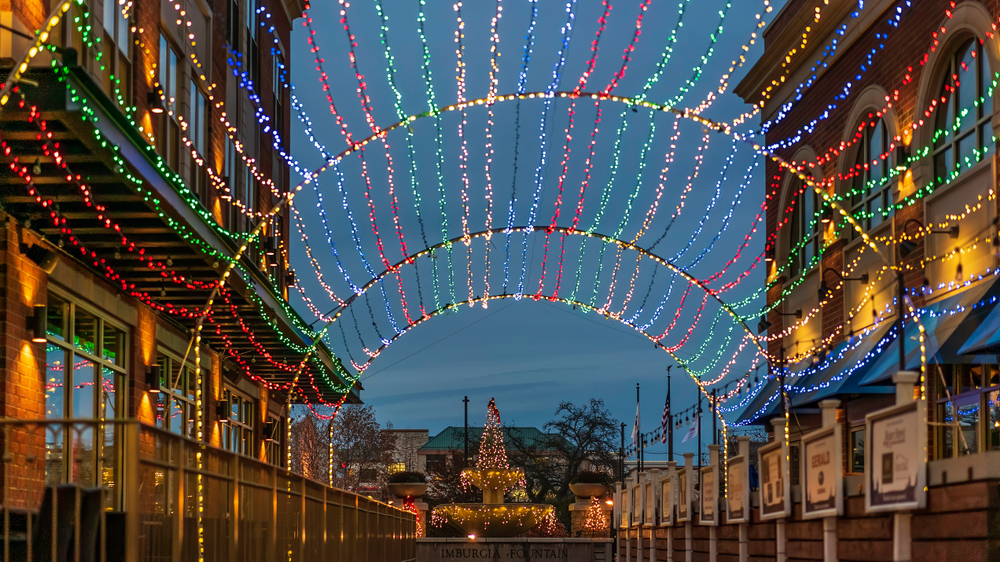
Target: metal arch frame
528	230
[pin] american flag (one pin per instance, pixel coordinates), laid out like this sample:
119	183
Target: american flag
665	421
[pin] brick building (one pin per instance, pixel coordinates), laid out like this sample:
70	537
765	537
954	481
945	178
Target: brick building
144	149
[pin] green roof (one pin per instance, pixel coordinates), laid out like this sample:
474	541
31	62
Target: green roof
452	438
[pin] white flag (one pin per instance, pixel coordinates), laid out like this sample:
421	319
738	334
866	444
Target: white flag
635	428
692	433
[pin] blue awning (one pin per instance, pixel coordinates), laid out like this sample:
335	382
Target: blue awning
986	338
844	375
948	325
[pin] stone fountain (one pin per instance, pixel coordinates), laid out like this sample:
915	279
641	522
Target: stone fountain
492	475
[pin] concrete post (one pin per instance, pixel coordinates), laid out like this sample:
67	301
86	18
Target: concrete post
902	539
779	532
743	445
829	409
671	471
689	470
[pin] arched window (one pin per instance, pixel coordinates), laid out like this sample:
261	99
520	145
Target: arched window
803	227
870	185
963	134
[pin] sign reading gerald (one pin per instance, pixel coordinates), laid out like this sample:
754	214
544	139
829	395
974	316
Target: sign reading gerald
896	462
822	474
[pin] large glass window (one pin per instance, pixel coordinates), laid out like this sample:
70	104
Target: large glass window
968	412
963	134
84	370
169	79
870	194
198	127
176	401
237	434
274	437
116	48
803	228
857	460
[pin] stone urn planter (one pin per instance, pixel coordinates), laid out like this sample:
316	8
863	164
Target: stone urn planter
589	490
408	489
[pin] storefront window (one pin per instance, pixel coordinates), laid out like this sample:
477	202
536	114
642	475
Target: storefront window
967	410
237	434
82	383
858	450
175	408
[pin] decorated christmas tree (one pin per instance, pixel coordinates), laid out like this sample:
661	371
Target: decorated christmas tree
492	453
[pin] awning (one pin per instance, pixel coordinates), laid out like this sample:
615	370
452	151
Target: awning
844	374
764	405
986	338
948	323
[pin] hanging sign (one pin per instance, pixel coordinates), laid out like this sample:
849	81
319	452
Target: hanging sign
821	466
738	491
895	460
775	487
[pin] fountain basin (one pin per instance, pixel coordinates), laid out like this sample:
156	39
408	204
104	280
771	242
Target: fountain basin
492	520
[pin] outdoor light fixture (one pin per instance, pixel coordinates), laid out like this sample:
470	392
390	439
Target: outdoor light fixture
290	278
155	101
37	168
153	379
907	247
764	324
827	216
37	323
824	290
769	255
43	258
223	411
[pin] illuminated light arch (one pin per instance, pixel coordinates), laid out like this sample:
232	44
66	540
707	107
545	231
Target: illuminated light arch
562	230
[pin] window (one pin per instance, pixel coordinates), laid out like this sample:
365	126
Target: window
233	21
968	410
175	403
198	133
435	463
84	370
963	134
803	231
278	112
252	57
274	436
395	467
237	434
117	38
169	78
870	187
857	460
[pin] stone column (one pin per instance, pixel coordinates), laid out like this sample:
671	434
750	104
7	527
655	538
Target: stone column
829	409
689	470
902	538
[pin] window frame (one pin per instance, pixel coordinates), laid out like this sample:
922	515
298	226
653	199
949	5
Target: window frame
119	371
977	397
168	361
799	264
240	424
982	124
863	210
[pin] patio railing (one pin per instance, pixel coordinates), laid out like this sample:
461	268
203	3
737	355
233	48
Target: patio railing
112	490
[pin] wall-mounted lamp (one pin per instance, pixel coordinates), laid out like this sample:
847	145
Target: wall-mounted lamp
824	290
155	102
769	255
907	247
43	258
290	278
37	323
764	324
153	379
826	217
223	411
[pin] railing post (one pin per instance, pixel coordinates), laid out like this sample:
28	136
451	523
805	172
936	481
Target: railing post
234	506
179	499
131	492
272	539
302	519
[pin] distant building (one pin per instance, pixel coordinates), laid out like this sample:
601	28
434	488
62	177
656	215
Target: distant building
433	454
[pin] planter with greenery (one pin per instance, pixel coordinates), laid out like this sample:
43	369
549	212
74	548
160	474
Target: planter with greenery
588	484
408	484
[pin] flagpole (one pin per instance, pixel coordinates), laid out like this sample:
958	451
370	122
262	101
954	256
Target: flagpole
670	420
638	429
697	418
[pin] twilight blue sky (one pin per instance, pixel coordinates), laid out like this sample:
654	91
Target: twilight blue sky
528	354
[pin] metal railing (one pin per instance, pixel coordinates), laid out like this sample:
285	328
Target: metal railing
156	499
